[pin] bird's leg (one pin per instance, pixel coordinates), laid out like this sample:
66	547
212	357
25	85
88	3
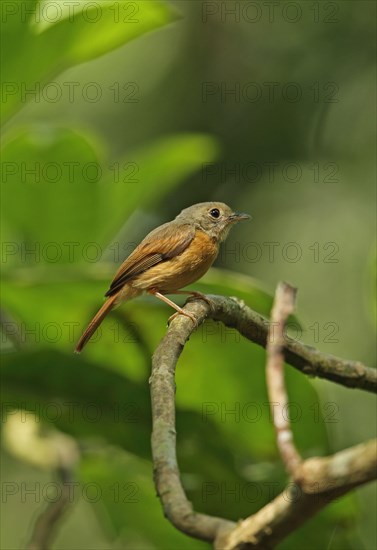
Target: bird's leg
194	294
180	311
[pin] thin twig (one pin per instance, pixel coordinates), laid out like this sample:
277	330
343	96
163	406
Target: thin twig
66	456
25	439
45	526
282	308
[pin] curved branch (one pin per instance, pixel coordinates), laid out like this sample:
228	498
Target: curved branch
321	479
176	506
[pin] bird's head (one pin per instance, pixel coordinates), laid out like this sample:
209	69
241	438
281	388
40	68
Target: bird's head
214	218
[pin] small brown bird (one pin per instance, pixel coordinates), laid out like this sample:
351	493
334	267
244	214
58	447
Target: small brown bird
170	257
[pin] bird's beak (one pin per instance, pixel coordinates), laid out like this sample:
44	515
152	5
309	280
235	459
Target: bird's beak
239	216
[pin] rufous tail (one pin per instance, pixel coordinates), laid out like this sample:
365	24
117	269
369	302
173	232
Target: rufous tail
95	323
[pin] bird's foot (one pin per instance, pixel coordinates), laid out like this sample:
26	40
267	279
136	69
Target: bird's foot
186	314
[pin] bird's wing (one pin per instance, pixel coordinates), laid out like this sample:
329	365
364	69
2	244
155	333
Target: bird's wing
160	245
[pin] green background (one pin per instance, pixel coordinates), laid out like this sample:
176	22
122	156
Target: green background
109	130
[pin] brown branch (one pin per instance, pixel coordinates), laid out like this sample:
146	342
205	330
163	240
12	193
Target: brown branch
235	314
325	479
282	308
322	479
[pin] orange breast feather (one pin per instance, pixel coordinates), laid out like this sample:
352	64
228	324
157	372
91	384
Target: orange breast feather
181	270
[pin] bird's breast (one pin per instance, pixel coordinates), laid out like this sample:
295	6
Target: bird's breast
183	269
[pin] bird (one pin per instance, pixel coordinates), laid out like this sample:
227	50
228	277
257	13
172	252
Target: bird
169	258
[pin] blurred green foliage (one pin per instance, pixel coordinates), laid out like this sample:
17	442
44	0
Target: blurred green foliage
84	180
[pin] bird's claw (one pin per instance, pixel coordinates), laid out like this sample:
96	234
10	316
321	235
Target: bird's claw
185	314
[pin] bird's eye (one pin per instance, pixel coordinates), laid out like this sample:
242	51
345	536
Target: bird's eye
215	212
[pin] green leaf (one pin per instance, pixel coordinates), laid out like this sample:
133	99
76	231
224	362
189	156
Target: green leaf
79	398
156	170
128	506
42	39
60	176
49	193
